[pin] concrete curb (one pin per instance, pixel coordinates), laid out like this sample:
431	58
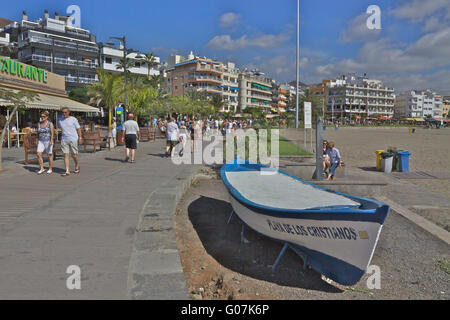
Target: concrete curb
425	224
155	271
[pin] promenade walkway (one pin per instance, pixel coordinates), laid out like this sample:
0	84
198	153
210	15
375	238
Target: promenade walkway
48	223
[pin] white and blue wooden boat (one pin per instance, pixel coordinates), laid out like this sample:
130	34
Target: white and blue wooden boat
336	234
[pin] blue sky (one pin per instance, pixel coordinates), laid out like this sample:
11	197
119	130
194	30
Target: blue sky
411	51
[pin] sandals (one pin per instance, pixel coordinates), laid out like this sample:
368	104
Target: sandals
65	174
77	171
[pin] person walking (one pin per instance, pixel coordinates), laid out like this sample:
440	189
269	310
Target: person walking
334	158
131	133
172	136
183	137
70	139
114	131
46	134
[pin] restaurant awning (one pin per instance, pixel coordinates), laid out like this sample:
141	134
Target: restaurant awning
419	120
49	102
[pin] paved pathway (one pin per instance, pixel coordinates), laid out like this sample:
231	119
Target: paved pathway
48	223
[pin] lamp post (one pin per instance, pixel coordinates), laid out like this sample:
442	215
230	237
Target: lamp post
297	64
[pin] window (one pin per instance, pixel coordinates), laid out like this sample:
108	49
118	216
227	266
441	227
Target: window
108	60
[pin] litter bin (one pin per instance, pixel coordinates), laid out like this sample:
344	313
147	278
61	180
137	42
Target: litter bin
396	161
119	138
404	161
324	128
386	161
378	153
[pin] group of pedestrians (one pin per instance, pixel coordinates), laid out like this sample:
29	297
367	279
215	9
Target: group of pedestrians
70	139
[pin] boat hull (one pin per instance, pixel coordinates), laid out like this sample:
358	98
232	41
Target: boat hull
339	245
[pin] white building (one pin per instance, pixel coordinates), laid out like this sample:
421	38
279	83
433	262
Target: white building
419	104
255	91
55	45
354	95
110	59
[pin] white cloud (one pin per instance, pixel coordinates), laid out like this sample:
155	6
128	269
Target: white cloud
430	51
357	30
264	41
229	19
419	10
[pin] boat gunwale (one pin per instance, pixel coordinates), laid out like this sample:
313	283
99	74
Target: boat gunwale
374	214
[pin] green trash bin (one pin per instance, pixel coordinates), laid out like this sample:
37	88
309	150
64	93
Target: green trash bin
396	162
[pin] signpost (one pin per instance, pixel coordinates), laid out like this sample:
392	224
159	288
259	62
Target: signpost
307	117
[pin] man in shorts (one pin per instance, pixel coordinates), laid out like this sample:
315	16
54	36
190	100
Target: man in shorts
131	133
70	139
172	136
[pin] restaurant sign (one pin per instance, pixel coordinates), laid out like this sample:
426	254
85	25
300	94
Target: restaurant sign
22	70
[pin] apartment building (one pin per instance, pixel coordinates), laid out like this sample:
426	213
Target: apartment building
359	96
282	94
230	87
110	58
194	73
255	91
419	104
446	107
7	48
57	46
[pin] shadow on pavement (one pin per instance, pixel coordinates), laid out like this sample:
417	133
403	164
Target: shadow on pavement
161	155
114	159
373	169
254	259
36	169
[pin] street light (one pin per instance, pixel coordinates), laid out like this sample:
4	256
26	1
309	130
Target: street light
110	43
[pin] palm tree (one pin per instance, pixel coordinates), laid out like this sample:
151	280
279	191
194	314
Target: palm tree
150	60
217	102
125	63
156	81
194	95
107	91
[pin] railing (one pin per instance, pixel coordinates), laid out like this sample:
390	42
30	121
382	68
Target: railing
63	44
58	60
71	79
37	57
205	78
86	80
65	61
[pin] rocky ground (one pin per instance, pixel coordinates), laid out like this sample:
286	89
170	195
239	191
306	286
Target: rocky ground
413	263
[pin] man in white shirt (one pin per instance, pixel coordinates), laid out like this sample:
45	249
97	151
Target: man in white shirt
172	136
70	139
131	133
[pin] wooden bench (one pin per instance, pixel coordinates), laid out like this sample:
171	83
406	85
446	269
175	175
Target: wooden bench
95	139
30	143
147	134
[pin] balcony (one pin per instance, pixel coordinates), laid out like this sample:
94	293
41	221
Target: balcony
64	61
85	80
205	78
204	68
58	43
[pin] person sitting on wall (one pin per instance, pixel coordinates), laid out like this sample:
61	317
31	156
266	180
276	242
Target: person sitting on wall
326	158
335	159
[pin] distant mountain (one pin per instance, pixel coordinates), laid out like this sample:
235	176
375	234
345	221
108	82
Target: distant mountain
301	84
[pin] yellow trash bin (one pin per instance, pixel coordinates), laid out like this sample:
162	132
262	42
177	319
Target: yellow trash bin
378	153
